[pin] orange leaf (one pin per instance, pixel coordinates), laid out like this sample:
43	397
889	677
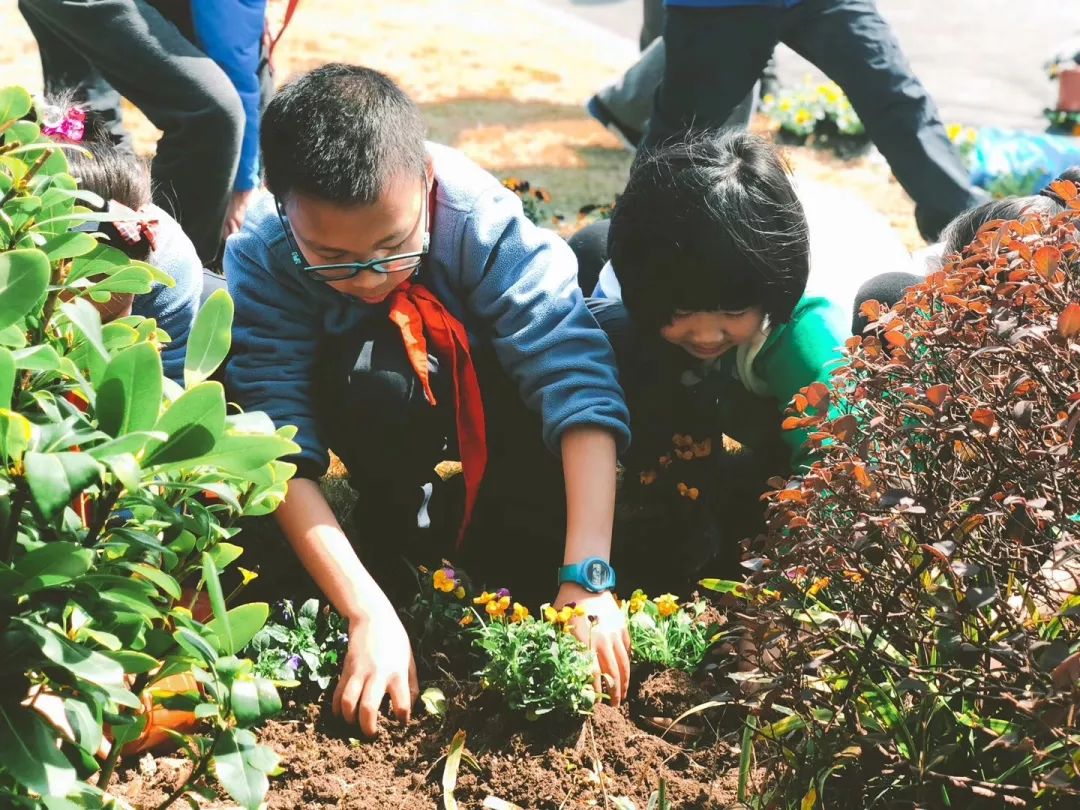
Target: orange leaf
983	417
1065	189
871	310
792	423
863	477
799	403
1069	320
1046	260
895	339
790	495
936	394
798	522
844	427
818	395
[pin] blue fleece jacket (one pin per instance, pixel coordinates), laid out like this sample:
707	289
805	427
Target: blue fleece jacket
172	307
230	32
508	281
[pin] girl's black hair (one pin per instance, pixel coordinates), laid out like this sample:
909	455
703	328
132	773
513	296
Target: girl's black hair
338	134
711	223
110	172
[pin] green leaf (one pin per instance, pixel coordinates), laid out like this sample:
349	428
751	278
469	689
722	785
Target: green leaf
217	603
15	435
134	663
155	575
69	245
41	357
193	424
7	377
52	564
241	454
244	699
84	717
210	337
31	755
85	663
102	261
87	323
15	103
225	554
55	478
132	443
125	469
434	701
123	733
24	280
450	770
129	391
269	699
195	645
242	765
244	622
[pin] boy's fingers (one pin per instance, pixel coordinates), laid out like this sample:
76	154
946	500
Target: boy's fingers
622	655
610	667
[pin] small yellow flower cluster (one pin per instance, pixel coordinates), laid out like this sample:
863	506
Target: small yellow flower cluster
444	580
818	586
495	604
667	605
693	493
563	615
687	449
637	600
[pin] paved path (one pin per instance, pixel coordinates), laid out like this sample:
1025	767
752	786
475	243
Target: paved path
982	60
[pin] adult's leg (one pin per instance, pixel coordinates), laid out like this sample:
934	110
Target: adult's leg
652	23
66	71
713	57
629	99
851	42
181	90
590	247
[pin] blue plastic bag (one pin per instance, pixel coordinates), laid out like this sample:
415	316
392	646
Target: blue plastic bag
1038	156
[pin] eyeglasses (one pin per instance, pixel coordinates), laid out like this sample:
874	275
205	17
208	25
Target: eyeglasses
340	272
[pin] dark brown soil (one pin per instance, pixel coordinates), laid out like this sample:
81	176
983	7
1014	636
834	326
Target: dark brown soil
569	763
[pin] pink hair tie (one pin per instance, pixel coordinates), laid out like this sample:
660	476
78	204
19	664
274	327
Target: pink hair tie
69	124
135	230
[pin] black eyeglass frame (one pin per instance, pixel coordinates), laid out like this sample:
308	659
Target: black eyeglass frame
353	269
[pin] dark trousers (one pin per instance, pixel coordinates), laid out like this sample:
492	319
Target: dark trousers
374	416
104	49
714	56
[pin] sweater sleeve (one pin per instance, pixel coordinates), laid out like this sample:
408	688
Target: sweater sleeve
275	330
522	281
806	351
230	32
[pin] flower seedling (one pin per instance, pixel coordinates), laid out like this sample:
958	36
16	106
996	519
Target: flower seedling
664	632
538	665
301	645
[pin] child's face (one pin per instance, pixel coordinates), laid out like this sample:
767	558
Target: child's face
329	233
707	335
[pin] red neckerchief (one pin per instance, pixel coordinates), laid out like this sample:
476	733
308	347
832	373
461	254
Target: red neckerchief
422	317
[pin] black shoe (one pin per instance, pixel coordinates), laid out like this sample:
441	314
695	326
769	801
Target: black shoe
629	136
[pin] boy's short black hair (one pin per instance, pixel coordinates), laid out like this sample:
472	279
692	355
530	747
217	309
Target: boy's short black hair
706	224
339	133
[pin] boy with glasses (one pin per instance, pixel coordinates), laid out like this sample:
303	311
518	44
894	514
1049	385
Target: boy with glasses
394	303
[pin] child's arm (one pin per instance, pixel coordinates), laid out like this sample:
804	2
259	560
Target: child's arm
589	467
379	660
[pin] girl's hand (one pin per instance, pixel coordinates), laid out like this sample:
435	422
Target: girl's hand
379	661
608	637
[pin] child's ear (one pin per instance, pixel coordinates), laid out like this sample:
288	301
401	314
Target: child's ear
429	169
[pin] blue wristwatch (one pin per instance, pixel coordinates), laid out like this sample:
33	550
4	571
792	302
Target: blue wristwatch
593	574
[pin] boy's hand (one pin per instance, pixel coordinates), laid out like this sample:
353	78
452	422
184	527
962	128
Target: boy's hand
609	638
379	661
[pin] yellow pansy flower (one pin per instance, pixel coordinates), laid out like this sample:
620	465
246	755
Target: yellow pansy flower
667	605
637	600
520	614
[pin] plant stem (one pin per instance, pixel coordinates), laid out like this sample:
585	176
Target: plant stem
101	515
35	167
11	530
196	773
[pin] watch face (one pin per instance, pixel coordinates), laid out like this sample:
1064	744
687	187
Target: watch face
597	574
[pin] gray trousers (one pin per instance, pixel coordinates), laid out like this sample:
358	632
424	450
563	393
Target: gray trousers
714	55
103	49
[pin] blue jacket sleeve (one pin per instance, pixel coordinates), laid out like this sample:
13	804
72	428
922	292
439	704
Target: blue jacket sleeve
274	344
522	280
230	32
